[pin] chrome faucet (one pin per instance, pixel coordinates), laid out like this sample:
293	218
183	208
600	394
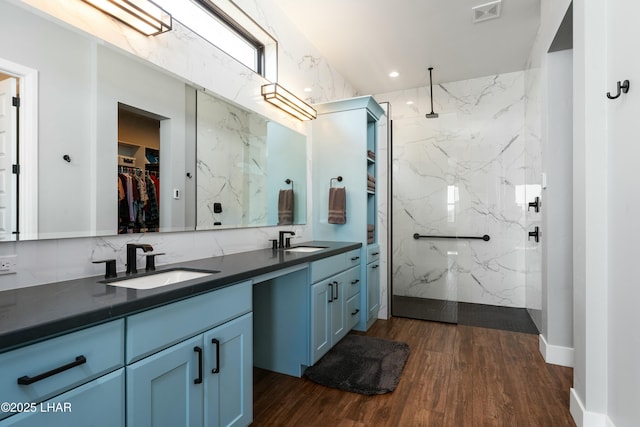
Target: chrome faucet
282	243
131	255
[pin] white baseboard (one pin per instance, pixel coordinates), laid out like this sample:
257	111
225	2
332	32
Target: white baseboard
584	418
555	354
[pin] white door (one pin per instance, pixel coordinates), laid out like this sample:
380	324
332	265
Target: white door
8	133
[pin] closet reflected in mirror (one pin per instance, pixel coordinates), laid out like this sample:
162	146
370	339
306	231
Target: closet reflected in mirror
138	170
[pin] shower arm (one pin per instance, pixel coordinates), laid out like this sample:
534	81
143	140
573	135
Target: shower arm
431	115
431	88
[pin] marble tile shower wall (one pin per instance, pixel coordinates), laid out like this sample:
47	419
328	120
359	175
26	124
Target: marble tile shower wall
460	174
186	55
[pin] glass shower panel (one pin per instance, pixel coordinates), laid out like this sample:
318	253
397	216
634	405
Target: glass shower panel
426	201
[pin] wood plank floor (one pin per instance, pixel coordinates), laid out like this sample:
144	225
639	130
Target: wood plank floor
455	376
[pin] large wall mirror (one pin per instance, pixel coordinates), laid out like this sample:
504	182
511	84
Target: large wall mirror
123	146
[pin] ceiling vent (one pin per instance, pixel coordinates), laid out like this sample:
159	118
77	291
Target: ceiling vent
486	11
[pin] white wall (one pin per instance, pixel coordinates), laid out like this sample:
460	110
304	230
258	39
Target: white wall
300	65
65	85
281	147
623	219
589	395
557	214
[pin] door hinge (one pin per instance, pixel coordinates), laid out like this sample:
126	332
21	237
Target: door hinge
16	169
16	101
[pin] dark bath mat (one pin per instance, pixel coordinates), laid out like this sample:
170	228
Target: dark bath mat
361	364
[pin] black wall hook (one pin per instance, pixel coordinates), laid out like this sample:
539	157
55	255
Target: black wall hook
66	158
622	88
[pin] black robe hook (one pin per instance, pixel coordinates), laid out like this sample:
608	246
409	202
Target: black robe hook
622	88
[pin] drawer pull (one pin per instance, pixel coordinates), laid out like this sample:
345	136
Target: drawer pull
355	258
27	380
375	253
375	266
217	344
199	351
355	282
355	312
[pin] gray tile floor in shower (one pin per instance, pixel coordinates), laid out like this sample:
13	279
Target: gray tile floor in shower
480	315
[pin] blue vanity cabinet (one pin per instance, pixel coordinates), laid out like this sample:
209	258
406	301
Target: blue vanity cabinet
229	374
322	314
204	379
373	283
162	388
330	318
352	296
75	369
98	403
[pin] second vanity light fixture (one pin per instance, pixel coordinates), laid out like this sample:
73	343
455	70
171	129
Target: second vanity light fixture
143	16
286	101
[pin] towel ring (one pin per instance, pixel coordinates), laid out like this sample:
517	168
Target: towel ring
339	179
289	181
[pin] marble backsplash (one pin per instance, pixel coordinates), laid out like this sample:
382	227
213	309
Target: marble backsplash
460	174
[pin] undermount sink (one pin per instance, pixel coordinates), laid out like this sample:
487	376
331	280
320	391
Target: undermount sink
305	249
159	279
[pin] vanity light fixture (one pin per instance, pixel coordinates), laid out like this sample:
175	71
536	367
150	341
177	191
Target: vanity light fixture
286	101
143	16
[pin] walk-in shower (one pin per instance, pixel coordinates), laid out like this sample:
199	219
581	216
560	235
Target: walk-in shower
456	180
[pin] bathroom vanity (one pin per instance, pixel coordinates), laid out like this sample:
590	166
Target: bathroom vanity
182	353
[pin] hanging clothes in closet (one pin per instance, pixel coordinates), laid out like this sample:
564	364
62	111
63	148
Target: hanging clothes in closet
138	200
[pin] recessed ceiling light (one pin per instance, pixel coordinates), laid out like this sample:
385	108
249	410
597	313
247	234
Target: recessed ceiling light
307	89
409	102
394	74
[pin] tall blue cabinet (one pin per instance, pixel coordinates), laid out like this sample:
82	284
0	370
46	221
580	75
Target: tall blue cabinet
344	145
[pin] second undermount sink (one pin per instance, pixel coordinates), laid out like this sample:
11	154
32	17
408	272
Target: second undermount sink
305	249
161	278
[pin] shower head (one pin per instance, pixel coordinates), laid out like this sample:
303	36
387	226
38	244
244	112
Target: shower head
431	115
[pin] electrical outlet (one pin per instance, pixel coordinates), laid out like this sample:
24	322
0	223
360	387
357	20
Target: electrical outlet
8	264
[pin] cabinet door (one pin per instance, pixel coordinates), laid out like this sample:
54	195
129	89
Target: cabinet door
98	403
163	389
229	373
320	320
373	292
338	309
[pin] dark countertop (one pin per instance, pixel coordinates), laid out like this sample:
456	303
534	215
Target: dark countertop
34	313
